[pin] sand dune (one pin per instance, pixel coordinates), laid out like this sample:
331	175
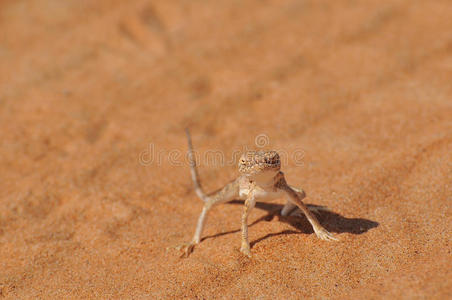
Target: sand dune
94	187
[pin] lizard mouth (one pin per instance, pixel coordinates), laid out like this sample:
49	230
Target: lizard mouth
272	167
272	163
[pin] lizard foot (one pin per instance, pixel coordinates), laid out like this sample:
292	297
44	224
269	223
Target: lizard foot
185	248
245	249
324	234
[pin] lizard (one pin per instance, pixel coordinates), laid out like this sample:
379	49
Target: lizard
260	178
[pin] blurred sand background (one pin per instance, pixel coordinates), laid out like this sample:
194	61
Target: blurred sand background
89	88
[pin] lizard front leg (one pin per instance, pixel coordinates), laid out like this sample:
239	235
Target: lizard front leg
249	204
290	209
293	197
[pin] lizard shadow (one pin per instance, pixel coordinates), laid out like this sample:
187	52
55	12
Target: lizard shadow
332	221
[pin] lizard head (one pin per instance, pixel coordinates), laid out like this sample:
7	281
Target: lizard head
254	163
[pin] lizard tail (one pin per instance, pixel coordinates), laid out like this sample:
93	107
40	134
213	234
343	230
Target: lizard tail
194	171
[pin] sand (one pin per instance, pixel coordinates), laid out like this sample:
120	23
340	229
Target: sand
94	99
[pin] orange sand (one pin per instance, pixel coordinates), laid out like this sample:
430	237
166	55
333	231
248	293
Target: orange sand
88	88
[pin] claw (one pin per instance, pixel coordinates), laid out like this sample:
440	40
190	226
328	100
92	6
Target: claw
323	234
185	248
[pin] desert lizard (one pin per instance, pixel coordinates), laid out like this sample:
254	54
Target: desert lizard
260	179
